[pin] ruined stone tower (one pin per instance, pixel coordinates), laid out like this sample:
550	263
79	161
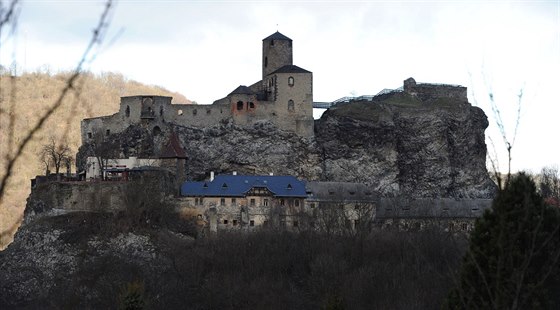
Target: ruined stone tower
277	52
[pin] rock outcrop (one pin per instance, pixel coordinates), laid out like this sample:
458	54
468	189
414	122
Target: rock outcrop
398	144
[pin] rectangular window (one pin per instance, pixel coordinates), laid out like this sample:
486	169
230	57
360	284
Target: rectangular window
281	202
252	202
312	205
297	203
265	203
234	222
251	223
200	201
225	222
296	224
222	202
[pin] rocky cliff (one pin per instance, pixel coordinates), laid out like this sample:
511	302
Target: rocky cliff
397	143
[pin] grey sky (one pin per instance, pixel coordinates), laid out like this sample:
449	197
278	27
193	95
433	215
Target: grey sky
205	49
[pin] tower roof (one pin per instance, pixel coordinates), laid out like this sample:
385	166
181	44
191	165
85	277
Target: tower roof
173	148
242	90
290	69
277	36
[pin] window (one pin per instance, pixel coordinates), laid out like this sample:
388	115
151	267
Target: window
290	81
200	200
251	223
312	205
266	62
224	186
281	202
222	202
251	105
265	223
297	203
194	112
271	42
464	226
208	111
252	202
239	105
234	222
161	111
179	112
89	135
156	131
291	106
265	202
225	222
296	224
289	186
127	112
108	132
233	201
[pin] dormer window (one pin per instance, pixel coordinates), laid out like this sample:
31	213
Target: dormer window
289	186
205	185
224	186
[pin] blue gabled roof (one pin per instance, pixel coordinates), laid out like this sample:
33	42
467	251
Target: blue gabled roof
239	185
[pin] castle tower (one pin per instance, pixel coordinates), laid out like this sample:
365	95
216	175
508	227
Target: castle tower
277	52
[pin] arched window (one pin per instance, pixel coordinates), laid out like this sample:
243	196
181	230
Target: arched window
239	105
156	131
251	105
179	112
291	106
291	81
127	112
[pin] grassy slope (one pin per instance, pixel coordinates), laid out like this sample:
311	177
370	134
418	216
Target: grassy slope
25	98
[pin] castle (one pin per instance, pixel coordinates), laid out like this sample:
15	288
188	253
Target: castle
283	97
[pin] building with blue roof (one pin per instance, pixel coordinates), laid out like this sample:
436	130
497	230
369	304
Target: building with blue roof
246	200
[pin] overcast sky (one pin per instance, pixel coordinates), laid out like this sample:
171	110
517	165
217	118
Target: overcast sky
205	49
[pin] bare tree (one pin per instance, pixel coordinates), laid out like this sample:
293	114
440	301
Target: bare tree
56	155
8	17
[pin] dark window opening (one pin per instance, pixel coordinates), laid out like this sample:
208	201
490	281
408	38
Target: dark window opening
239	105
251	105
108	132
194	112
225	222
312	205
156	131
266	62
160	111
223	202
289	186
271	42
251	223
281	202
265	203
233	201
297	203
296	224
464	226
290	81
291	105
234	222
127	112
224	186
253	202
89	135
205	185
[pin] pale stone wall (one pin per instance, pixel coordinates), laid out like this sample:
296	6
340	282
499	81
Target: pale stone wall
93	168
276	54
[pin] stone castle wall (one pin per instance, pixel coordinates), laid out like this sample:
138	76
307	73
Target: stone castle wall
428	92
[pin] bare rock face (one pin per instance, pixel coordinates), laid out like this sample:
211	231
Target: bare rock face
403	146
397	144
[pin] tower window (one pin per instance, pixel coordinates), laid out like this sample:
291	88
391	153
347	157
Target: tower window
291	81
107	132
194	112
271	42
291	105
265	62
239	105
127	112
251	105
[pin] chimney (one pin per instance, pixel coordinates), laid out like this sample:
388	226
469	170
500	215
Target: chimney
235	173
211	176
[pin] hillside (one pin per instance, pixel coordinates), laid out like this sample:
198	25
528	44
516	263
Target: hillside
25	98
